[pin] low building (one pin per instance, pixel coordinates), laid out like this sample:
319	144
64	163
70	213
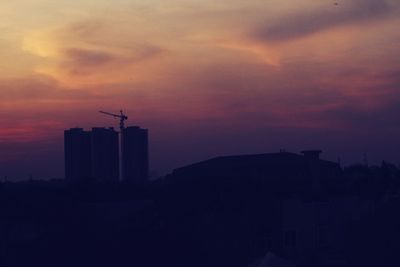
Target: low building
283	167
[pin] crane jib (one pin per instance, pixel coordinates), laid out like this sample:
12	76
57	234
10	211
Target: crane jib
122	117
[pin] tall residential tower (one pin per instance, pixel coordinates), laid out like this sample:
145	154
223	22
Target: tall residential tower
135	155
105	159
77	149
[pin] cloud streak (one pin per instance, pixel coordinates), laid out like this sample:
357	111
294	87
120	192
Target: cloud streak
88	57
311	21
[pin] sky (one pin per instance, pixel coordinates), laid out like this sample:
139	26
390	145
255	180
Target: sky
207	78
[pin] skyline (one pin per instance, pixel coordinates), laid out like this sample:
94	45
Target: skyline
206	79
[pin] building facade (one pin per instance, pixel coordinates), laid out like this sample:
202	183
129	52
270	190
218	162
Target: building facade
135	156
104	154
100	155
77	151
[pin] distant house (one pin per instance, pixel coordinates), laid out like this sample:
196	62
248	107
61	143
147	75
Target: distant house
292	168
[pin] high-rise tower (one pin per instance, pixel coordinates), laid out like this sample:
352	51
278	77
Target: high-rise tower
105	159
77	151
135	154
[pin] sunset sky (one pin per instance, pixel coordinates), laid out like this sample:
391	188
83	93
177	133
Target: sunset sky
207	78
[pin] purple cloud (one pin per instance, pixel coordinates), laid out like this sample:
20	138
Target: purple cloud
89	57
310	22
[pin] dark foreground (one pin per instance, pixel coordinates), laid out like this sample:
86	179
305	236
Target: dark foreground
193	222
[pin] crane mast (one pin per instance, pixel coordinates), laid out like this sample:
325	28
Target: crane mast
122	118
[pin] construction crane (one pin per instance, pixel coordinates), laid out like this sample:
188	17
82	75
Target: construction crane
121	117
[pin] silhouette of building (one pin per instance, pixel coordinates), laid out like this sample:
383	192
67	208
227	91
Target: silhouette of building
95	154
314	166
135	165
105	159
77	149
287	168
